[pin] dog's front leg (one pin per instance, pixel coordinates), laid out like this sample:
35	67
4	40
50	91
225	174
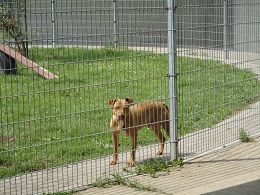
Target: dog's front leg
131	161
115	148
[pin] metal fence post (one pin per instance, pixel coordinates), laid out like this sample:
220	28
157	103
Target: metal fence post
115	22
225	29
53	21
172	81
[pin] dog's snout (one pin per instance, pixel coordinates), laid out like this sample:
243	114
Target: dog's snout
121	116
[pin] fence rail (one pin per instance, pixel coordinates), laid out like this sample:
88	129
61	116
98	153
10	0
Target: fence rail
199	58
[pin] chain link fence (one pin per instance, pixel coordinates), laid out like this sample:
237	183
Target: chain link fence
62	62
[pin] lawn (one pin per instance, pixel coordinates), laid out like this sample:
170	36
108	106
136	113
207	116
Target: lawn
45	123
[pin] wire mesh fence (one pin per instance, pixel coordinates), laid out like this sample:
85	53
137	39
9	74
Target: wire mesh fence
66	63
218	72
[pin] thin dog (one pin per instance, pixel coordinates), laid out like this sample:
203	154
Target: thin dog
129	118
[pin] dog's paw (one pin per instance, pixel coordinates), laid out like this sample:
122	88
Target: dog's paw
113	162
159	153
131	163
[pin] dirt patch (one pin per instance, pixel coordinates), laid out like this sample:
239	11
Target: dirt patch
6	139
5	163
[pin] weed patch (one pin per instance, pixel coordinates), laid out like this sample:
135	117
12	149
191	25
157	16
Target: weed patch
119	180
152	166
244	136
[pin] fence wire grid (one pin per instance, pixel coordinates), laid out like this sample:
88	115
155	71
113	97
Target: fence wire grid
62	61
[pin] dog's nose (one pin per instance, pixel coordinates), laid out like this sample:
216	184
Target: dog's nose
121	116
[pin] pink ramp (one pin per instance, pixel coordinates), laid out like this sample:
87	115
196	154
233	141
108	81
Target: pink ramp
27	62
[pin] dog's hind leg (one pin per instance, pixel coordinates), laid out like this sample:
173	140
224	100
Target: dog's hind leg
157	130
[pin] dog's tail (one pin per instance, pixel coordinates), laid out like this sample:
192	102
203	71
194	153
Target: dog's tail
166	124
165	105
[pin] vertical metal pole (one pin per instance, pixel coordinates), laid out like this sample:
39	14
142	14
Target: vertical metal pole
172	82
26	28
225	29
115	22
53	21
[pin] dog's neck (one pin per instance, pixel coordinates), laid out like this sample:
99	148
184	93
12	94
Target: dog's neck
120	125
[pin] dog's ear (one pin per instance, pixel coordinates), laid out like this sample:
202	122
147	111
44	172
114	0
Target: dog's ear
129	100
112	102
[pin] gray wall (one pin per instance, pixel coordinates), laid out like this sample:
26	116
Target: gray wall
199	23
91	22
246	25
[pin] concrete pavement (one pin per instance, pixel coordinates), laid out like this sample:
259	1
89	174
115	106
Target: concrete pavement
232	170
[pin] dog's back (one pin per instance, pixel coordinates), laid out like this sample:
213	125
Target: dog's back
150	113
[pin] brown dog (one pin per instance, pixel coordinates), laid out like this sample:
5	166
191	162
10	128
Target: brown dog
129	118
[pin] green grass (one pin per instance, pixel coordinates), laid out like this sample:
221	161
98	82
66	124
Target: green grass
59	121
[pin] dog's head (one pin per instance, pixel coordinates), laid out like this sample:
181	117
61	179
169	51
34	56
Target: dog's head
120	108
